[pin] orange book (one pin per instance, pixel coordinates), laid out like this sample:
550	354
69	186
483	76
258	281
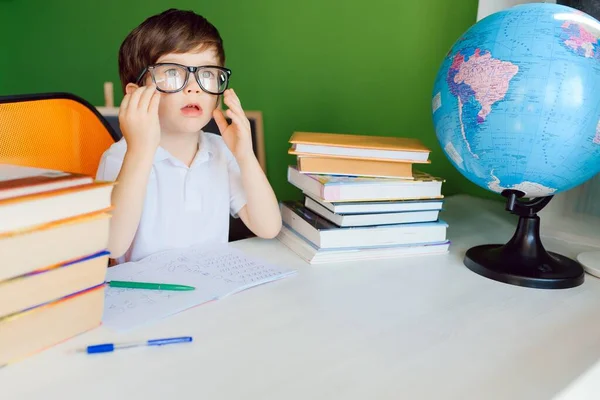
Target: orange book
16	180
354	167
359	146
41	286
28	332
50	244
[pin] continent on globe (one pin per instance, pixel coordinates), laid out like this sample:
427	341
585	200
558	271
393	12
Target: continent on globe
487	79
531	189
597	137
579	40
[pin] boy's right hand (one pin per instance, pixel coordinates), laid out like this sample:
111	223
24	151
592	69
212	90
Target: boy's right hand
138	119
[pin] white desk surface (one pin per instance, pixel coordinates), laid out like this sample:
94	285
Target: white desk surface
408	328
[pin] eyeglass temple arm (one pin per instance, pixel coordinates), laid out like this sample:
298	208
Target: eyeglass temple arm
137	82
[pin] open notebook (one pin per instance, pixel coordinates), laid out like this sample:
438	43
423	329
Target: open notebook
215	272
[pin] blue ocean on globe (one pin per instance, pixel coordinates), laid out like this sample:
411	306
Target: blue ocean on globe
516	101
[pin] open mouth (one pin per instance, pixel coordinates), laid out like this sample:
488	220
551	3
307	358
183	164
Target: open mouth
191	107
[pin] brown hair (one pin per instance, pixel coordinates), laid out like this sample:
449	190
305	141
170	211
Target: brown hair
172	31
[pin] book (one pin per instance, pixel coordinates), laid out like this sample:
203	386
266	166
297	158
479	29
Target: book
27	332
354	167
312	254
52	283
49	244
359	188
27	211
390	218
367	207
215	270
16	180
325	234
360	146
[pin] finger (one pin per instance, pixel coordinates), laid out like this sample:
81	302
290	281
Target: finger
240	116
124	104
135	98
154	103
220	120
145	97
235	107
125	101
235	97
235	118
232	101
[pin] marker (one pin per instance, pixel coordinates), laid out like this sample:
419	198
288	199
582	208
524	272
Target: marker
108	347
149	286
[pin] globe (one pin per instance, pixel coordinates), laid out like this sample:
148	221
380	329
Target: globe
516	101
516	109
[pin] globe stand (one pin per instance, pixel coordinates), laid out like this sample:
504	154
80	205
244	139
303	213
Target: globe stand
524	261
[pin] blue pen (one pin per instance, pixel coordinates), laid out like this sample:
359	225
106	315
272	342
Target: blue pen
108	347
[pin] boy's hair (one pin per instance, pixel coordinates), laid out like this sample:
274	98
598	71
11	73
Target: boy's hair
172	31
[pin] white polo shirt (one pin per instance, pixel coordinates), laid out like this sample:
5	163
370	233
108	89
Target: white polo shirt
183	205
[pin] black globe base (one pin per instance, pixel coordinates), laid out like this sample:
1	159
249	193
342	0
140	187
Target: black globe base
524	261
551	271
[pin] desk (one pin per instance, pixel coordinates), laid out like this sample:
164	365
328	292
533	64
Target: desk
410	328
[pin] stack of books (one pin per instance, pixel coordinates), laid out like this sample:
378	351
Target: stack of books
363	199
54	229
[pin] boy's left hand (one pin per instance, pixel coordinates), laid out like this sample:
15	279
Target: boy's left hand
237	135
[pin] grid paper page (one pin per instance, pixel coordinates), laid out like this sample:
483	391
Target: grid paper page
215	272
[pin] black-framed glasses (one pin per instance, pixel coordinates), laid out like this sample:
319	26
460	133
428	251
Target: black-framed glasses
172	77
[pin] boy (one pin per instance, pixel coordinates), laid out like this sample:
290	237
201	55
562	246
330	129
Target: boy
177	185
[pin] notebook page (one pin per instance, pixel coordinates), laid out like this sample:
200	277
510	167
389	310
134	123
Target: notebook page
215	272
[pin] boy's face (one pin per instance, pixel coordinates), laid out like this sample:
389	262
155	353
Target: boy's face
189	110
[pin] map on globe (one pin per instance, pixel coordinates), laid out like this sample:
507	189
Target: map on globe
516	102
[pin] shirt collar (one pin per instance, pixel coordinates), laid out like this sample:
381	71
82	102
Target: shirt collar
205	153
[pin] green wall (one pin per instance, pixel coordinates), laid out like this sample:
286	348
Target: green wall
316	65
7	48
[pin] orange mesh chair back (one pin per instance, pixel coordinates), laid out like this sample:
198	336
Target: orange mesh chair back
55	131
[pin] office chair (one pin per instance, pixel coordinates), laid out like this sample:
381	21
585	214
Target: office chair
58	131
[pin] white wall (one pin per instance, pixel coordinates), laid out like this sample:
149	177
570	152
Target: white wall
487	7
